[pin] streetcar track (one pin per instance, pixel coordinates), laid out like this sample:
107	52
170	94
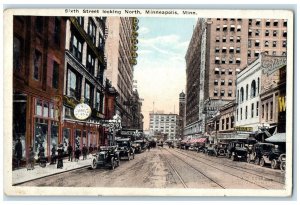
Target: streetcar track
197	170
233	167
220	169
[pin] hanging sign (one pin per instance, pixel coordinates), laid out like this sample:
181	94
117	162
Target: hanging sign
82	111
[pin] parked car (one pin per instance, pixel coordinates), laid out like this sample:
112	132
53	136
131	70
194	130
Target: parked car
108	156
264	153
125	148
237	151
220	149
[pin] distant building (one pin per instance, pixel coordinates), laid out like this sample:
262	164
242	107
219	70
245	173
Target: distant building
164	124
181	117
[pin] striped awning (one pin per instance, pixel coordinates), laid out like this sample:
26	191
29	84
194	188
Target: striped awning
278	137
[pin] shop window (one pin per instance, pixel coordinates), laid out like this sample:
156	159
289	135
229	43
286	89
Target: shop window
40	135
37	65
54	135
39	108
17	54
77	142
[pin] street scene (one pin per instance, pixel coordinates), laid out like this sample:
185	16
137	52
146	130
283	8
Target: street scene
144	102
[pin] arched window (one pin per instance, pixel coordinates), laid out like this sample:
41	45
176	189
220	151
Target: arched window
247	93
258	86
238	96
253	89
242	94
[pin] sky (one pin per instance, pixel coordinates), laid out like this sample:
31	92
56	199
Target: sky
160	69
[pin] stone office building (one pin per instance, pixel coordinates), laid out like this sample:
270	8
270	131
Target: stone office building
38	76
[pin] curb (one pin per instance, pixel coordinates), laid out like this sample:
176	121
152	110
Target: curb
19	183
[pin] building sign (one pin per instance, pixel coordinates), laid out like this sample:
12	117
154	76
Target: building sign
244	129
131	132
82	111
271	64
281	104
134	41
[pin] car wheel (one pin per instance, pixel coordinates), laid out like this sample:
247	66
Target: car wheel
262	162
248	159
94	164
282	166
274	164
256	161
112	163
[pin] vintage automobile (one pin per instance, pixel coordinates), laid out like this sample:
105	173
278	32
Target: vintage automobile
236	151
125	148
220	149
265	153
108	156
137	145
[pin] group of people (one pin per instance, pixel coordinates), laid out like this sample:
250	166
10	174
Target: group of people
77	152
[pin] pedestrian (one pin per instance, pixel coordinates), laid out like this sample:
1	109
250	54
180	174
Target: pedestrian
84	152
77	154
60	156
30	165
70	152
41	154
18	152
90	149
53	156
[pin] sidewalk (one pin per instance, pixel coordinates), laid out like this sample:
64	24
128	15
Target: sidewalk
23	175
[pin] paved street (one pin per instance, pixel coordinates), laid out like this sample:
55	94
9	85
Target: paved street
171	168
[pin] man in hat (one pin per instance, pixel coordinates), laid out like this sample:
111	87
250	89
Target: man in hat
70	152
77	154
18	152
53	156
60	156
91	149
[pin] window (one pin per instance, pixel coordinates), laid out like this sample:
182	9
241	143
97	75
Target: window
100	73
257	85
242	95
217	60
37	65
231	39
218	28
275	23
274	53
92	30
55	75
224	49
257	104
266	43
223	71
284	44
238	61
232	28
215	92
17	54
224	27
39	24
267	33
217	49
274	33
241	113
76	47
249	32
232	121
284	53
90	63
222	82
237	114
253	89
256	53
257	32
231	49
57	30
249	43
249	53
256	43
285	23
252	110
216	82
246	112
217	39
74	84
217	71
274	43
238	39
268	22
223	122
230	72
238	50
230	61
247	92
250	22
267	111
238	29
227	123
97	106
224	39
262	111
284	33
223	60
271	110
229	93
229	82
80	20
257	23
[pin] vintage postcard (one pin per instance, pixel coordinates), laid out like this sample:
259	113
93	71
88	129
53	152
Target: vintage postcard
148	102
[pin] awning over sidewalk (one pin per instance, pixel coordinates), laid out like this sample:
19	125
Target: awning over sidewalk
278	137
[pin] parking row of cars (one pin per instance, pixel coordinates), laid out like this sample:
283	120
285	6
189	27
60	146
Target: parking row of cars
250	151
110	156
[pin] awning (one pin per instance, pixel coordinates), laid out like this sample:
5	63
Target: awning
238	59
239	26
217	58
217	69
201	140
232	26
237	70
257	41
224	48
231	48
278	137
224	26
